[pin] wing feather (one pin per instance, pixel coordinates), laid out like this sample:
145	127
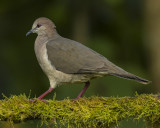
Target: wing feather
72	57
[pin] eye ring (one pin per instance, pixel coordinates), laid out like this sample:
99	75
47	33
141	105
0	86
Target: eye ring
39	25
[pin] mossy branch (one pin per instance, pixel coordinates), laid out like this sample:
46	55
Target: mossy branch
90	112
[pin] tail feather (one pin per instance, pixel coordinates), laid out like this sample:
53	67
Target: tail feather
132	77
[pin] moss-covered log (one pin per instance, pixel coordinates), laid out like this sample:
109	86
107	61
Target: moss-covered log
90	112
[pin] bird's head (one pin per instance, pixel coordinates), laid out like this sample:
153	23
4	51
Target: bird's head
42	26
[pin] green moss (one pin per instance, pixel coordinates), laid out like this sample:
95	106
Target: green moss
86	112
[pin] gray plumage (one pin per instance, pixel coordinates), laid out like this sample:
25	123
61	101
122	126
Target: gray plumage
71	57
67	61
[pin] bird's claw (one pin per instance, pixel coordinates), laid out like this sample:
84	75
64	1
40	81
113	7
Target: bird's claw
36	99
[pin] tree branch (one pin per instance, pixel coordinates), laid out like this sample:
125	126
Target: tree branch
90	112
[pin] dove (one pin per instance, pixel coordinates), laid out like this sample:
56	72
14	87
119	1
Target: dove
65	61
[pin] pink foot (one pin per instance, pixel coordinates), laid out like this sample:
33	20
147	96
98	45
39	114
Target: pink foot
43	95
82	92
36	99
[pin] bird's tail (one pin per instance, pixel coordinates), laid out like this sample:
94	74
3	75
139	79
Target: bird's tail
130	76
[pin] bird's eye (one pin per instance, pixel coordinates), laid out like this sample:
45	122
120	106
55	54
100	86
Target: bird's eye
39	25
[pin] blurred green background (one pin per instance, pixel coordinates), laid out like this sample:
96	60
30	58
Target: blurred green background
127	32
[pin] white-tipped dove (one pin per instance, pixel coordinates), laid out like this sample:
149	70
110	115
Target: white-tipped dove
67	61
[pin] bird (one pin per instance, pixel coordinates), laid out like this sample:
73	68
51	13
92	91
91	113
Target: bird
65	61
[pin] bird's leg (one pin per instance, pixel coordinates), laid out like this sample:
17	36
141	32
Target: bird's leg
84	89
45	93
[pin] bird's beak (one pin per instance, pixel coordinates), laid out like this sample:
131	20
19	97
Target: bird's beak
31	31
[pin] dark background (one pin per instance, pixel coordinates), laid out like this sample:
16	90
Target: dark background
127	32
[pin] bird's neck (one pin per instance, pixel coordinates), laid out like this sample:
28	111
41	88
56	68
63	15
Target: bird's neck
41	39
47	35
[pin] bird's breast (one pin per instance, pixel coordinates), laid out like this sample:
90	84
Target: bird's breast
42	57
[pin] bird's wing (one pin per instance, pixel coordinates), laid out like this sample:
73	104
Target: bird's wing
71	57
74	58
